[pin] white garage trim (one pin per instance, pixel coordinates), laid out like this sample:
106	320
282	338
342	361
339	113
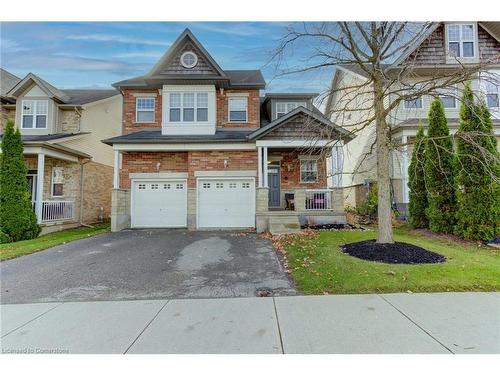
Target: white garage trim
155	180
215	178
159	176
219	174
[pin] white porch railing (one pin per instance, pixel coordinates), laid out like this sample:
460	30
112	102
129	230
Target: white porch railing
318	199
57	210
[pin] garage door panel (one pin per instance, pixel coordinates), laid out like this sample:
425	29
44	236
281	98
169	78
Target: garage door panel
159	204
226	203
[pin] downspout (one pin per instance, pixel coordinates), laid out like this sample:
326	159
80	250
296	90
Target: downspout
82	163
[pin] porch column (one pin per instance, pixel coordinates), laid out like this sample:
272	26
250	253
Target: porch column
404	167
40	173
116	171
265	167
259	166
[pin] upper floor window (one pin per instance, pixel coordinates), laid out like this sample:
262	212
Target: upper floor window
145	110
461	40
34	114
492	91
188	107
413	103
189	59
282	108
238	108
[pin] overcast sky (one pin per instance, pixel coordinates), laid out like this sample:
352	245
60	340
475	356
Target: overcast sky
79	55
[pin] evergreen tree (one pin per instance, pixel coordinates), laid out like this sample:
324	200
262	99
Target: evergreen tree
439	172
416	184
478	194
17	218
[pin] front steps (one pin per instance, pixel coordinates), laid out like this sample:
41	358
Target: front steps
284	224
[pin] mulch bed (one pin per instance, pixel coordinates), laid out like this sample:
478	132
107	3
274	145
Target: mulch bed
395	253
332	227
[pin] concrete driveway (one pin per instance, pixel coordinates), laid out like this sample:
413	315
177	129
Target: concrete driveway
146	264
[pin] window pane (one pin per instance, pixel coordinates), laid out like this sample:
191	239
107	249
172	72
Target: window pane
175	114
188	114
202	114
175	100
237	104
290	107
492	100
27	121
28	107
468	49
41	121
414	103
188	100
145	103
454	32
145	116
454	49
491	87
57	190
467	32
238	116
281	107
448	101
308	176
202	100
42	107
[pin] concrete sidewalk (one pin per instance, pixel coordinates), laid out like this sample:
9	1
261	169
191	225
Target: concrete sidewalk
377	323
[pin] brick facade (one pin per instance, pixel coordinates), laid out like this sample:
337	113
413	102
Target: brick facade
253	109
129	124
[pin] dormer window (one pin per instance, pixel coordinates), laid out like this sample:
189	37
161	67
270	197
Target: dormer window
282	108
461	40
34	114
189	59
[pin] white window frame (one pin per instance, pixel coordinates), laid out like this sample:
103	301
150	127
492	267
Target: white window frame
195	107
189	66
489	91
302	160
416	100
461	42
286	104
145	110
35	113
231	98
52	182
450	92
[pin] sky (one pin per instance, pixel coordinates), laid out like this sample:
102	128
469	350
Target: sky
97	54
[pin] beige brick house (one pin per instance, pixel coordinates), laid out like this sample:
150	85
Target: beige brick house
443	47
202	147
62	132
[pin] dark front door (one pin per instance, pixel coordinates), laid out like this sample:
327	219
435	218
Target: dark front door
273	179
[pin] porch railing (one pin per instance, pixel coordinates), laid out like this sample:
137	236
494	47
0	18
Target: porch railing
57	210
318	199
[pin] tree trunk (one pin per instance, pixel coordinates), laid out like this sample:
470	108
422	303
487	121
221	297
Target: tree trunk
383	166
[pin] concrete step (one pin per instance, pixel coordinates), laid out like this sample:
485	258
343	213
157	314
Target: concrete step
284	224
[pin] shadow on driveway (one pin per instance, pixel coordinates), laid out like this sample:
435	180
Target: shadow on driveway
147	264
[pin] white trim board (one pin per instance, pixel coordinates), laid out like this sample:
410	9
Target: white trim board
304	143
183	146
219	174
159	175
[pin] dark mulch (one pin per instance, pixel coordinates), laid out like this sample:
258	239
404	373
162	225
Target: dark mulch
332	227
396	253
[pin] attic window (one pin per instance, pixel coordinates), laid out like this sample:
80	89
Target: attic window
461	39
189	59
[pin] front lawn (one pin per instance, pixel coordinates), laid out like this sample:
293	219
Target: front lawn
318	265
17	249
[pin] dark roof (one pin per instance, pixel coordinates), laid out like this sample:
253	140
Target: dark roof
290	95
246	78
48	137
80	97
155	136
7	81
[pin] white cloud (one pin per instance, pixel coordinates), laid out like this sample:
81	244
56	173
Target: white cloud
117	39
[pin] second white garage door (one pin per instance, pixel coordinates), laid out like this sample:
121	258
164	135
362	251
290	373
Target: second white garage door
159	204
226	203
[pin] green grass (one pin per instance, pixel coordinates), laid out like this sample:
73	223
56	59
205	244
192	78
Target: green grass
319	266
17	249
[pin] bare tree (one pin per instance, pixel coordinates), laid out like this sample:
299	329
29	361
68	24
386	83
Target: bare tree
370	49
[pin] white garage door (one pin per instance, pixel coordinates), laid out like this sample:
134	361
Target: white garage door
159	204
226	203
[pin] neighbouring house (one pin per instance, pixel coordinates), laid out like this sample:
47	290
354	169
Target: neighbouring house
61	132
443	47
202	148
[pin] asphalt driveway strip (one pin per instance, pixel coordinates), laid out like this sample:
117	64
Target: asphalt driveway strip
147	264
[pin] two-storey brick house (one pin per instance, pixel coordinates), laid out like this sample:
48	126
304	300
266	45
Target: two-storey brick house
201	148
61	132
444	47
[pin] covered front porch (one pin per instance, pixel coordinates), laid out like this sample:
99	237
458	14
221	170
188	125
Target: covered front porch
293	186
54	183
